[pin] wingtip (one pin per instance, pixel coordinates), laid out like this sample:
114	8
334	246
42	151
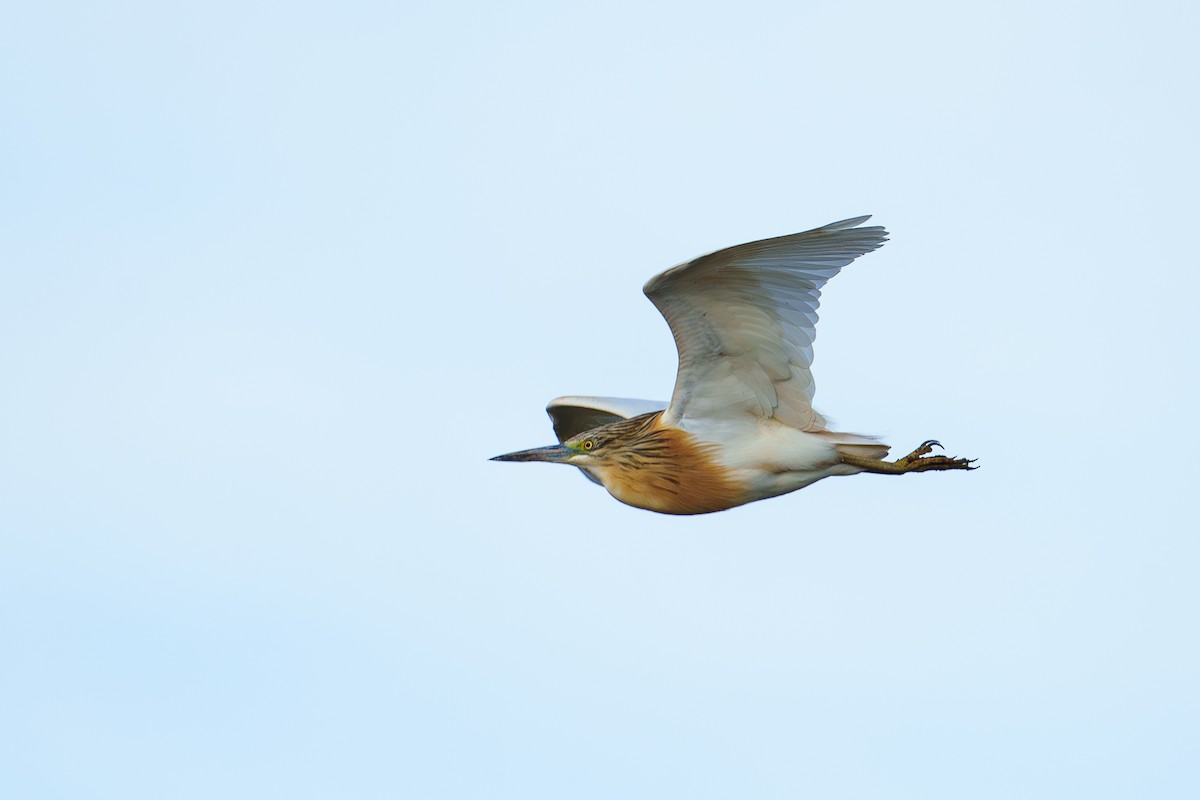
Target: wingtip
852	222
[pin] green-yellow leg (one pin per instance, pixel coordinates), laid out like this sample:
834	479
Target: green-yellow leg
918	460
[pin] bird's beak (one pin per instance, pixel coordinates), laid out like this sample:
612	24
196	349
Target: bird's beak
553	453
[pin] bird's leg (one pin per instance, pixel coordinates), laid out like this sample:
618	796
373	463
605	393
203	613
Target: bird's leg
918	460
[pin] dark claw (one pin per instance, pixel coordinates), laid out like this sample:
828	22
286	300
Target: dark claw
931	443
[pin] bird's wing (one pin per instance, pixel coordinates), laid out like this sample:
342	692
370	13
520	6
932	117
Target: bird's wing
744	322
573	415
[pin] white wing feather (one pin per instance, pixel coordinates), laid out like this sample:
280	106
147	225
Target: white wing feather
574	414
744	322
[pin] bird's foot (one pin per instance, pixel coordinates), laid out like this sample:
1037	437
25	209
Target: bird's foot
924	449
919	460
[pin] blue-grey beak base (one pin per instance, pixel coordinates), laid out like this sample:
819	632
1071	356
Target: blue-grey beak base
553	453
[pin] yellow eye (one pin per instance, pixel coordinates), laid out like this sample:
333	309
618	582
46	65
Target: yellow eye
589	444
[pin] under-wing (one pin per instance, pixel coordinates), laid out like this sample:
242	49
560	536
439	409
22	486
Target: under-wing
572	415
744	322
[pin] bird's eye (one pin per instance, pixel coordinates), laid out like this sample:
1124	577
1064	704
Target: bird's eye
589	444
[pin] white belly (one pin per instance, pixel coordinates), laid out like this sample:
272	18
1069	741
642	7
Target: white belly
770	458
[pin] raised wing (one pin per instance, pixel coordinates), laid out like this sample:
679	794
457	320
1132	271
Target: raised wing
573	415
744	322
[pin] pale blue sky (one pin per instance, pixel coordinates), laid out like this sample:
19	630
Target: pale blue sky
279	278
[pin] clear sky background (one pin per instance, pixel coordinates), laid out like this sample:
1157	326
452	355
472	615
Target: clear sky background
278	278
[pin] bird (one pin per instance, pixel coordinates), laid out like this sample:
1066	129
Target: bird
740	426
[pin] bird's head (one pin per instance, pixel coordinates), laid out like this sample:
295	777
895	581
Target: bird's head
626	442
589	449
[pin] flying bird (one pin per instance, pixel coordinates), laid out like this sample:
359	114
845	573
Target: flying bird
740	426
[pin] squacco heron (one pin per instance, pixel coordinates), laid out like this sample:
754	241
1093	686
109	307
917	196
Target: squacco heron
740	426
